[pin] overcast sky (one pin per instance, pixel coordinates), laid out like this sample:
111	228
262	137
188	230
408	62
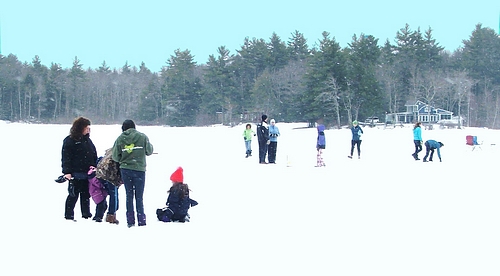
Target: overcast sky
150	31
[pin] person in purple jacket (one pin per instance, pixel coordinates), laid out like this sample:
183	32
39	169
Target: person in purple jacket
98	193
320	145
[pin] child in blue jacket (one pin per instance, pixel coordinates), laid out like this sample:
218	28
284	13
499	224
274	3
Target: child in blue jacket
178	201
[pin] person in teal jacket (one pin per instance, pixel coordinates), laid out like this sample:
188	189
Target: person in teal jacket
430	146
417	139
130	150
247	136
357	131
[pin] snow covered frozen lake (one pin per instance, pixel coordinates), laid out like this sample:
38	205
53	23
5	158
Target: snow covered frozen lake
385	214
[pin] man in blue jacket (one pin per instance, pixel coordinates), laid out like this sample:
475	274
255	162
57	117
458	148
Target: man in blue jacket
430	146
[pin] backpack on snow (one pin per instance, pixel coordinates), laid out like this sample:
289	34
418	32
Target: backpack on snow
108	169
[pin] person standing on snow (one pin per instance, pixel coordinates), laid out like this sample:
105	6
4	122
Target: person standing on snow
78	156
247	136
274	132
430	146
263	137
357	131
417	139
130	150
320	145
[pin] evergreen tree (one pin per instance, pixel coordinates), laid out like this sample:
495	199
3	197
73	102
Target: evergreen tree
74	97
55	92
181	90
327	63
481	56
365	94
278	53
220	93
297	46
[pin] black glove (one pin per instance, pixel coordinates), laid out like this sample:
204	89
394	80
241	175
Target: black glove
61	179
244	138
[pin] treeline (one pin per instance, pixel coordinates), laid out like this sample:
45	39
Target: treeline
288	80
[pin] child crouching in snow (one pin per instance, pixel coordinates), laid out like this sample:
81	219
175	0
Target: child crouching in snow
178	201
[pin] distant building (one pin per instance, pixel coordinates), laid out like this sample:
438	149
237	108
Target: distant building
418	111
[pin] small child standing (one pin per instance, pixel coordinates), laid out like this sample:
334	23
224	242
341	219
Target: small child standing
320	145
98	193
247	136
178	201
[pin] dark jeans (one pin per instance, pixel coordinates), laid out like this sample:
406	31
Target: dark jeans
418	147
81	189
262	151
272	148
428	150
113	197
356	143
134	182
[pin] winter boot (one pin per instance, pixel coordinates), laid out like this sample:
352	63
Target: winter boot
130	219
111	219
141	219
248	154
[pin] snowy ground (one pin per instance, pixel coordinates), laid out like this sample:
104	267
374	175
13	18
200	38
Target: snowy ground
384	214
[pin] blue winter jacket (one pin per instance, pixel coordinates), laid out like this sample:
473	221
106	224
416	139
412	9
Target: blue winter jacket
274	132
356	133
321	141
434	145
417	134
179	204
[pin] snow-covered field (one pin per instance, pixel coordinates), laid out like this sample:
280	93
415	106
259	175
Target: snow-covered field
384	214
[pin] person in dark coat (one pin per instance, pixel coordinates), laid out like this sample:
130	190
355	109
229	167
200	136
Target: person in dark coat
430	146
178	201
263	138
78	156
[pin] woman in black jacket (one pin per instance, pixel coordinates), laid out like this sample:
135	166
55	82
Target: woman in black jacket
78	155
